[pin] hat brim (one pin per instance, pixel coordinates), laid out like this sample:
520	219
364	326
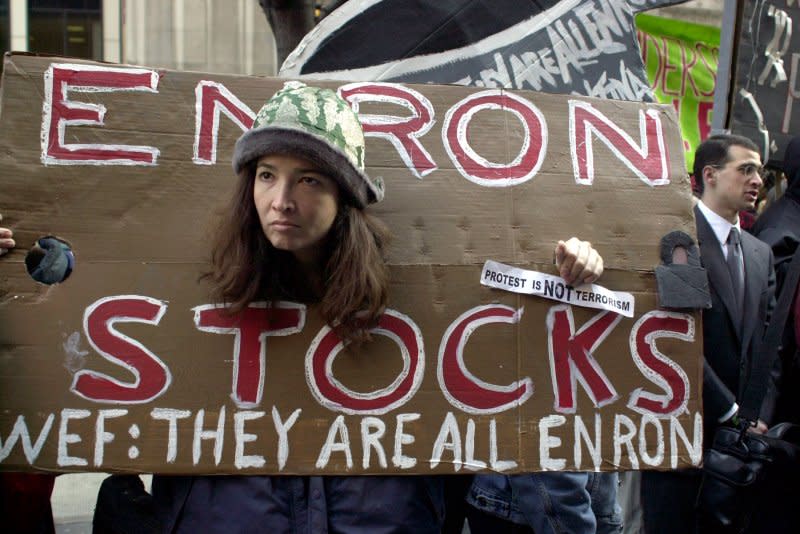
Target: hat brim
259	142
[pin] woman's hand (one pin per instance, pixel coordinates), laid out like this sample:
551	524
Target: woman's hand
578	262
6	241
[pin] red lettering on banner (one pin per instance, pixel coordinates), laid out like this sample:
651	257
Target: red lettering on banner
704	110
640	38
671	67
689	61
476	168
572	360
151	375
647	160
403	132
59	112
709	57
463	389
332	394
211	99
251	327
657	367
648	44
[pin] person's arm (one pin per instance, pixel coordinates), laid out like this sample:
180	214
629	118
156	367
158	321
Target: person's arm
774	378
719	403
6	239
578	262
783	243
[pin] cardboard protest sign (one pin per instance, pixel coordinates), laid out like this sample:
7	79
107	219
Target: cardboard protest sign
681	63
127	365
584	47
766	94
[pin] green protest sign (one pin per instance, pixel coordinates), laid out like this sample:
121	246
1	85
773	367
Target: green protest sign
681	63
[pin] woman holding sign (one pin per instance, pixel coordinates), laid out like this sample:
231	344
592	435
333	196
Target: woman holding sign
296	229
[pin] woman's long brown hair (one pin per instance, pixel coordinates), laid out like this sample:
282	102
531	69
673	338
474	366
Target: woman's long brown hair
245	267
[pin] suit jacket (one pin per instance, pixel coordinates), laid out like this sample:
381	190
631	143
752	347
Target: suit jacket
728	349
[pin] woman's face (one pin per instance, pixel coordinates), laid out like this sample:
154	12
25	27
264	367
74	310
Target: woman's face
296	204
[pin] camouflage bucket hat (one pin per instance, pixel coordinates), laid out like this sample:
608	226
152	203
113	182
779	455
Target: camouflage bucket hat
318	125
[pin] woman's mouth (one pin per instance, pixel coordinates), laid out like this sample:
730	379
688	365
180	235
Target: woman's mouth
282	225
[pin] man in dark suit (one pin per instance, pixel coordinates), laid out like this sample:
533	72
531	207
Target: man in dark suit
742	283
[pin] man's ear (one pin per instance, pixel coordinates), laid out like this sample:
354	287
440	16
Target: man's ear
709	175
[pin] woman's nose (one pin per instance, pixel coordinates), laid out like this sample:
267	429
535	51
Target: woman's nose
283	199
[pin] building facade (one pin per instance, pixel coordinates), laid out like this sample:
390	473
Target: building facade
229	36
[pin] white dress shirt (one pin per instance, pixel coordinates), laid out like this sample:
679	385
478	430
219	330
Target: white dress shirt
720	226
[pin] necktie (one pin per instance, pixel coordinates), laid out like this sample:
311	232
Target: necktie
734	262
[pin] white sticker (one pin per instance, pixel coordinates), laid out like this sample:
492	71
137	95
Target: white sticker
502	276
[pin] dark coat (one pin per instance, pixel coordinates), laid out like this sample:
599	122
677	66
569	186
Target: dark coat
728	349
779	228
300	504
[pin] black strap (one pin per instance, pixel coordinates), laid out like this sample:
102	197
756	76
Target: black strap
756	387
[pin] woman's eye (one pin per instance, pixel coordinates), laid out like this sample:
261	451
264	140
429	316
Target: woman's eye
264	175
309	180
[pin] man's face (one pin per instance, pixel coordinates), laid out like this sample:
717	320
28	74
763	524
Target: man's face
733	187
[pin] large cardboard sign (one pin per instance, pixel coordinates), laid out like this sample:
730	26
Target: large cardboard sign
583	47
128	365
766	93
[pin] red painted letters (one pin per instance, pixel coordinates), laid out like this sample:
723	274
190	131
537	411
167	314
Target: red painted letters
211	99
251	328
646	159
402	132
570	352
464	390
478	169
151	377
334	395
659	369
571	357
59	112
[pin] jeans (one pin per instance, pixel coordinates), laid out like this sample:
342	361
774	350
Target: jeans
551	503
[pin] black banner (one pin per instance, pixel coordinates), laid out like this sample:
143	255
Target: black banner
585	47
766	94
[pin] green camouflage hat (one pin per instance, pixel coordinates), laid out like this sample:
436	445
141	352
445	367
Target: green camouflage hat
316	124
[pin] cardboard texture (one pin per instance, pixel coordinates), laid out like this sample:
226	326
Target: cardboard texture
127	366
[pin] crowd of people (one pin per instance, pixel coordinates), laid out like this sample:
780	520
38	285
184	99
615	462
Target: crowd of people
298	227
